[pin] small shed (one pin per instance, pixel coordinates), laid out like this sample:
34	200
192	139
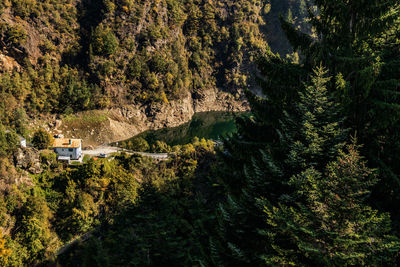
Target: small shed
22	141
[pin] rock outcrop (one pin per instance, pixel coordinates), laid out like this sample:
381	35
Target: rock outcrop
8	63
11	176
28	159
130	120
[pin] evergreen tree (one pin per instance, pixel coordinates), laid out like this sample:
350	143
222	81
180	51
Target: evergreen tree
359	42
332	226
8	141
259	132
312	134
20	120
271	213
308	135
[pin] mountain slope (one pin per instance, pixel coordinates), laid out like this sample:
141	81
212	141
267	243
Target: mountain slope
62	56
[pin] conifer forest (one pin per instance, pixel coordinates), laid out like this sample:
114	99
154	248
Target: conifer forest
308	175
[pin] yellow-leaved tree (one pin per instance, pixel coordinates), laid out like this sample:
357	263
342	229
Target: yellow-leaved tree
4	251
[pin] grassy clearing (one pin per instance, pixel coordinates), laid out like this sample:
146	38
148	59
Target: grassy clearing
85	119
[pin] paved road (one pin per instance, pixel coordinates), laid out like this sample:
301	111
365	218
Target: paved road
110	150
74	241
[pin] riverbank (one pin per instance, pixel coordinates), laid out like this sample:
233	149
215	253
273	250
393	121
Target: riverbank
99	127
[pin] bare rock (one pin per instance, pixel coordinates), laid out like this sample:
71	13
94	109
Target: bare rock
8	63
58	124
129	120
28	159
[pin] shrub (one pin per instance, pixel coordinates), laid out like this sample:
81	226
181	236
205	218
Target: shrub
13	35
104	42
135	67
41	139
138	144
161	147
48	159
16	35
8	141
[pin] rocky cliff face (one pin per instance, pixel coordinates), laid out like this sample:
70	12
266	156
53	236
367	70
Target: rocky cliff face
28	159
124	122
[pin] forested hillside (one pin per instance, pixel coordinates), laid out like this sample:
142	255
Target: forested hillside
66	56
294	11
311	178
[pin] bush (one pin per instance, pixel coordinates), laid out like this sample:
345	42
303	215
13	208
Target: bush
12	140
161	147
138	144
49	159
135	67
104	42
41	139
8	141
14	35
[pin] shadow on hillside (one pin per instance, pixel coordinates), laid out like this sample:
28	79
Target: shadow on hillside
90	14
167	226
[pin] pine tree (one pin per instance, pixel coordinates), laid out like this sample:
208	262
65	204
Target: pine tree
312	134
332	226
282	80
308	135
359	43
357	40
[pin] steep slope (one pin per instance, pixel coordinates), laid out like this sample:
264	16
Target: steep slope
62	56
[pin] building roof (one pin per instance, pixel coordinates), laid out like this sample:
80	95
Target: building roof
67	143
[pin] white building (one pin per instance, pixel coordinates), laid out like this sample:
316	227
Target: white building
22	141
68	148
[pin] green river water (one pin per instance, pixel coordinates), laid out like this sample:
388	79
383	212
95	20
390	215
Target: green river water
209	125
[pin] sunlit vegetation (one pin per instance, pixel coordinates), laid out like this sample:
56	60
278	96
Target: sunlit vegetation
116	52
62	204
309	179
